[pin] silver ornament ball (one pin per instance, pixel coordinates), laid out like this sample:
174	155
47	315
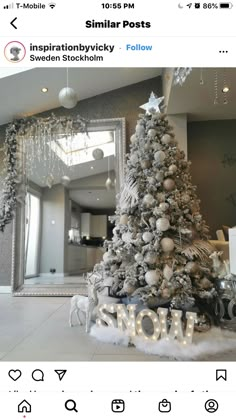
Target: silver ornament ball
167	244
162	224
67	98
98	154
159	156
166	139
147	236
152	277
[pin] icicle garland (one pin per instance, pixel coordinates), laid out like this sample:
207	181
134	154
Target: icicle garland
40	131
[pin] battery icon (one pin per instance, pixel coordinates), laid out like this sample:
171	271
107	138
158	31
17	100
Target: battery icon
226	5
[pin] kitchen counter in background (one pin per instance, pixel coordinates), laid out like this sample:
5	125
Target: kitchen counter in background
82	258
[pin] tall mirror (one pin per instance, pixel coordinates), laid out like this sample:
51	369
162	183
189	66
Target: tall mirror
71	189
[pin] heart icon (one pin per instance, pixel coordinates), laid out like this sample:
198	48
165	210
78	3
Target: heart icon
15	374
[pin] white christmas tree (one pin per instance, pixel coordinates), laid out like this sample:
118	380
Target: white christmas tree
159	253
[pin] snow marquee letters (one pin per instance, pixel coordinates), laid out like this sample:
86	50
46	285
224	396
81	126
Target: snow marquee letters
127	320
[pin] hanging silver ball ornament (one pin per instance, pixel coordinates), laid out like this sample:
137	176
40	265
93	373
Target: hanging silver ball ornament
150	258
152	222
124	219
169	184
67	98
159	176
152	277
65	180
166	139
140	130
138	257
98	154
147	236
148	199
162	224
167	244
159	156
108	184
145	164
173	169
133	138
152	133
164	206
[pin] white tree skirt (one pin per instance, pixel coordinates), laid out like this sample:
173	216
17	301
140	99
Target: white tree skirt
204	344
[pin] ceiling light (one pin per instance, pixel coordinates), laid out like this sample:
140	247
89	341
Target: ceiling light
91	167
225	89
44	90
98	199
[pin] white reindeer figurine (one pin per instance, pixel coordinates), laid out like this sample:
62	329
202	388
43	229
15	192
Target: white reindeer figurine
220	268
85	304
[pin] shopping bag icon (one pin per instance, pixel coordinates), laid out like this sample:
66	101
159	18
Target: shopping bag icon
164	406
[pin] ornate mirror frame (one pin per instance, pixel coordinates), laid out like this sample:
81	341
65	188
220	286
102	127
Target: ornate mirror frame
18	237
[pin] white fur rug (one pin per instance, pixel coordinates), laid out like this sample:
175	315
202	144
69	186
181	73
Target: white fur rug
204	344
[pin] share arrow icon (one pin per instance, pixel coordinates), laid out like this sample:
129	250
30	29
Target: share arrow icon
60	373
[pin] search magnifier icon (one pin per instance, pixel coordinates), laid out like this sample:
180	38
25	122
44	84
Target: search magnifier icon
71	405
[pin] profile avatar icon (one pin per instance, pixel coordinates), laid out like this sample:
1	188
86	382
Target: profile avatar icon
15	51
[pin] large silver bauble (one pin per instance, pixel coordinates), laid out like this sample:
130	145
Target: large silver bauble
169	184
150	258
166	139
159	156
167	244
173	168
138	257
162	224
152	133
67	98
148	199
98	154
124	219
147	236
152	277
164	206
127	237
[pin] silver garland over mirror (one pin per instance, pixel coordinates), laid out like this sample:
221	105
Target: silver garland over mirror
43	136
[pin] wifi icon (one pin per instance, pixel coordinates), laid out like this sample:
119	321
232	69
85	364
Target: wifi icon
52	5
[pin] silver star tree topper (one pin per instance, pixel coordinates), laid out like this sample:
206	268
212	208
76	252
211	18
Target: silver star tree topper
153	105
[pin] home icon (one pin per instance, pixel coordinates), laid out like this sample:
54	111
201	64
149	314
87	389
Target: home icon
24	406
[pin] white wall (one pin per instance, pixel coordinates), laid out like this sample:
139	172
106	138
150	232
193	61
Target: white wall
179	124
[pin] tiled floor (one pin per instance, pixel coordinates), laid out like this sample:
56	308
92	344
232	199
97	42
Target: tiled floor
34	328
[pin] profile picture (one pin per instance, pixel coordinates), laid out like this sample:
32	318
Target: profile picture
15	51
